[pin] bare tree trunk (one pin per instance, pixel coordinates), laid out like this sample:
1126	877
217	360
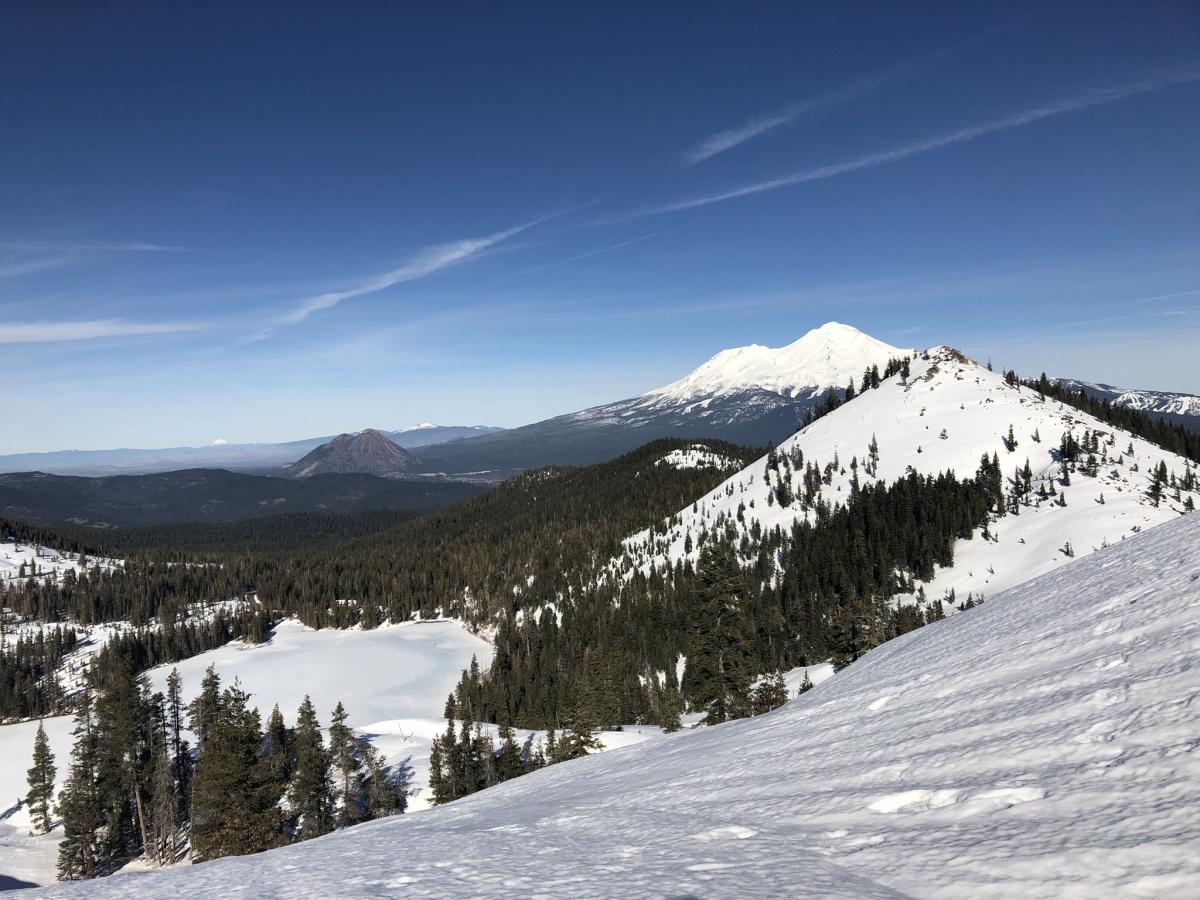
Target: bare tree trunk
141	816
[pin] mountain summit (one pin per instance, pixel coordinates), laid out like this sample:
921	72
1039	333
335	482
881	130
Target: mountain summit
368	451
824	358
748	395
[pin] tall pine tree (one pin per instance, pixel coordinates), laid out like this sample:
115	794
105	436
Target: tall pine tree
235	797
719	667
40	796
310	794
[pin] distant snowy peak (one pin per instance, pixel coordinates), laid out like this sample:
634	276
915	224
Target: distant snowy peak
1163	402
423	426
827	357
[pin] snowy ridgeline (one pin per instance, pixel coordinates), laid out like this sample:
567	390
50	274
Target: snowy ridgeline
949	413
1042	745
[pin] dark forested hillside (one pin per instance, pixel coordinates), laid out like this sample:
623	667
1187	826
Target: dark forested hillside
209	495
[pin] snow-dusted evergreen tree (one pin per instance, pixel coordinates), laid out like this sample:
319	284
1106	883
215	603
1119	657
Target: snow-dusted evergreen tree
670	706
122	717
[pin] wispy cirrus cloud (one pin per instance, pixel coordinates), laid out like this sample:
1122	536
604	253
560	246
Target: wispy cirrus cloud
36	246
27	257
578	256
757	126
85	330
760	125
31	266
959	136
421	265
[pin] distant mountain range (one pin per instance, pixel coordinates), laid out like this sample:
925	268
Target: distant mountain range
1181	408
367	452
260	458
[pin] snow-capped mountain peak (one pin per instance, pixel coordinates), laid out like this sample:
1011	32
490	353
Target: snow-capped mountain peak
826	357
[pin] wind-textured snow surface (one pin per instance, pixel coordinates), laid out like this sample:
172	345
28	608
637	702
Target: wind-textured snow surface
1044	744
950	412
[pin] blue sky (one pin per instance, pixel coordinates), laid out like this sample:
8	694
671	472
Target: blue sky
258	222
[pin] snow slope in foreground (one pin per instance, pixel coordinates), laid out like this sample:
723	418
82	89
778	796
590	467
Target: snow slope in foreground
1041	745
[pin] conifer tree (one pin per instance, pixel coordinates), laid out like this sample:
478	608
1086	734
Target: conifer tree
578	736
40	796
280	752
204	710
770	693
670	705
440	788
384	798
508	760
164	807
122	718
79	802
310	794
234	795
181	757
718	672
341	754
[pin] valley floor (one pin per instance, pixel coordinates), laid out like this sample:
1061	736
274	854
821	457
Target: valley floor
1041	745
